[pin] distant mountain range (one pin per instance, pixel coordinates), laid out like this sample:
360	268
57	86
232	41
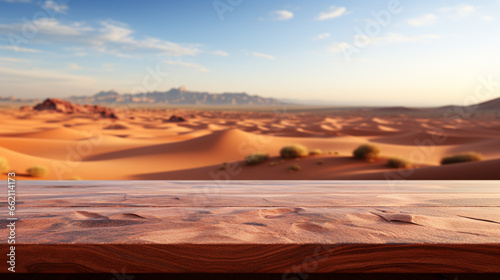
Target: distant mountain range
175	96
182	96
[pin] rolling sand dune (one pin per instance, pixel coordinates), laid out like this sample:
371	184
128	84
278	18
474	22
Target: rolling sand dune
146	144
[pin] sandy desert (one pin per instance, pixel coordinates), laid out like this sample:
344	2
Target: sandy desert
212	143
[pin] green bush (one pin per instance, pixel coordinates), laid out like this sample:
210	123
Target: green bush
398	162
256	158
37	171
4	165
316	152
367	152
294	167
223	166
464	157
294	151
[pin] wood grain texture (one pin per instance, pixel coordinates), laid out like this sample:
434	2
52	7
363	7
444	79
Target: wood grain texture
258	227
287	259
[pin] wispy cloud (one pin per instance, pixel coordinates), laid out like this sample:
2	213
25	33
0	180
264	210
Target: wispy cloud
391	38
338	47
13	60
424	20
43	75
282	15
459	12
111	37
262	55
113	32
220	53
74	66
332	12
463	11
322	36
19	49
51	30
56	7
487	18
191	65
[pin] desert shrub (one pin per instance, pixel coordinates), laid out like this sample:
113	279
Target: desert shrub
256	158
315	152
367	152
223	166
274	163
294	167
464	157
4	165
294	151
319	162
37	171
398	162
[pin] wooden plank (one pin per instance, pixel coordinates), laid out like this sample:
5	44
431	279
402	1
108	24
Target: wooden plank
278	258
259	227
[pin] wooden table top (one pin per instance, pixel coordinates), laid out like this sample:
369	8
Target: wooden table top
258	226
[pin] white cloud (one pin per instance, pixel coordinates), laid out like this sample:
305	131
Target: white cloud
459	12
19	49
116	32
424	20
220	53
112	37
12	60
338	47
464	11
49	30
119	33
282	15
195	66
332	12
487	18
74	66
56	7
262	55
43	75
392	38
322	36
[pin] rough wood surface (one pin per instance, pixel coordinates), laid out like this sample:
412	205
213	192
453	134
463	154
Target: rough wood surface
260	227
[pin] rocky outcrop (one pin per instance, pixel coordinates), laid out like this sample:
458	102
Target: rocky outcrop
175	118
61	106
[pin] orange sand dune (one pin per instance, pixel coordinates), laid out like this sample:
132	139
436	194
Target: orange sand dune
59	133
146	145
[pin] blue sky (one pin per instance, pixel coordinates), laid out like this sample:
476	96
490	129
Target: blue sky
349	52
